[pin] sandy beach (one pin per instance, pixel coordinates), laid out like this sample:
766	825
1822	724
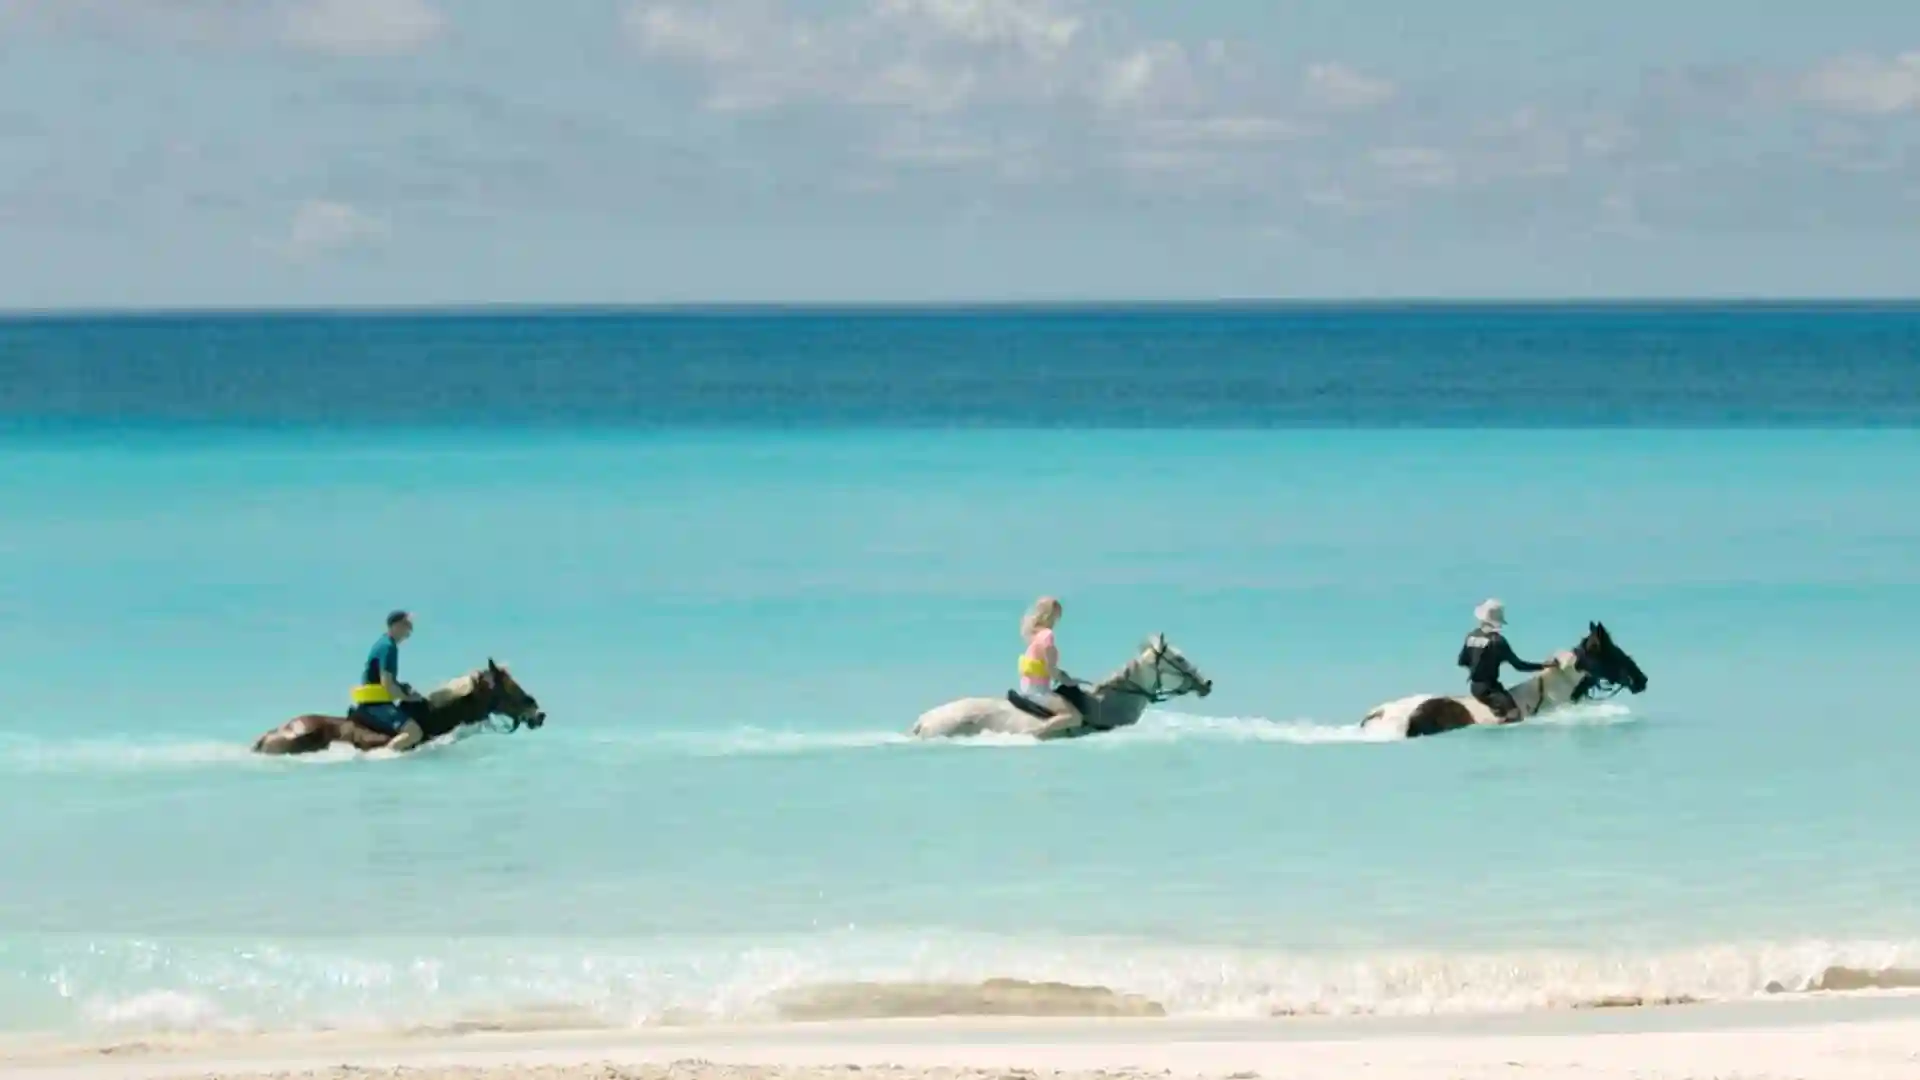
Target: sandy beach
1876	1041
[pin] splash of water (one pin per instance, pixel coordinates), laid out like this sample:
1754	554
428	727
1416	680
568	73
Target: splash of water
1158	728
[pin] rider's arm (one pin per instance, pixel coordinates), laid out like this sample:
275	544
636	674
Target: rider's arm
1506	654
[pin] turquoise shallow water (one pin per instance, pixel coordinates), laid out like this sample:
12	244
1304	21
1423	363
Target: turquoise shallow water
730	631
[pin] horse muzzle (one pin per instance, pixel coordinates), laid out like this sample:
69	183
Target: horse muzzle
536	721
1206	688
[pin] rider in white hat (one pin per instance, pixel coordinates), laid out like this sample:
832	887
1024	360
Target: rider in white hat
1482	654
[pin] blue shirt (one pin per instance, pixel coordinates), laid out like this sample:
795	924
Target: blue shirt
384	656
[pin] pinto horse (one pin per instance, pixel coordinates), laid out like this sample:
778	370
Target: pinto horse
1595	664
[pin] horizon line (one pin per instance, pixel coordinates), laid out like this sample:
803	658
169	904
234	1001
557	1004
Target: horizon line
749	307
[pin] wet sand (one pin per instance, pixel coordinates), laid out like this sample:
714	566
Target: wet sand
1860	1041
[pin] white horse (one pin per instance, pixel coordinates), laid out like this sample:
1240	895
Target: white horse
1596	663
1161	672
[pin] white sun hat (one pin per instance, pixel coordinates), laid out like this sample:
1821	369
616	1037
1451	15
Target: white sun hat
1491	613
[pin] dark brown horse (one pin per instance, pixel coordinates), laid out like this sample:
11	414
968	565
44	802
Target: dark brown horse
470	699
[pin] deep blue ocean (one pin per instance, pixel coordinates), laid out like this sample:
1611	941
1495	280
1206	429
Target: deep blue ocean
737	552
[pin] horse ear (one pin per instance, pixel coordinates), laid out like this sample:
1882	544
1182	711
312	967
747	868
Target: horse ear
491	666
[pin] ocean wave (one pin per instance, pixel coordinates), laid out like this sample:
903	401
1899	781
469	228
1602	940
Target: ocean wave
134	988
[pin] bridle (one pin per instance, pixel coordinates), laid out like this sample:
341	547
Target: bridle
1157	692
1595	684
495	719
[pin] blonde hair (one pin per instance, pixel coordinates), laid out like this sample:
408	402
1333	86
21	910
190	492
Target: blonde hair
1040	616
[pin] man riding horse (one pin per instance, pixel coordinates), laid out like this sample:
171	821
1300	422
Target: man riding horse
1482	654
381	701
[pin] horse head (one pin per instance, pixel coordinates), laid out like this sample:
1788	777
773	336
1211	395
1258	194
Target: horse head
1160	672
1606	665
504	696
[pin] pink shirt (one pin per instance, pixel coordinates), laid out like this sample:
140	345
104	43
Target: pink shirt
1040	647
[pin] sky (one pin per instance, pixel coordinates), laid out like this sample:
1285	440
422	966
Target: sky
295	153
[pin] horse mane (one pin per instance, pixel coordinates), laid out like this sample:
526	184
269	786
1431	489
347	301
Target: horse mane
454	689
1122	673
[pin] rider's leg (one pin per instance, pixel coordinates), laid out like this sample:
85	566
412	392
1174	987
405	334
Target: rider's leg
1495	697
408	737
410	734
390	719
1066	716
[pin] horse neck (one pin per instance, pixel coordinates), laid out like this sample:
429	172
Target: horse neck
1553	686
1119	707
1120	702
461	711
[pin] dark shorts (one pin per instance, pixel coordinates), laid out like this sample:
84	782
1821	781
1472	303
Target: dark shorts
1495	697
387	717
1074	696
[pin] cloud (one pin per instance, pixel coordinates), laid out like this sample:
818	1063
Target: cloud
1865	84
1040	29
1338	86
1066	106
1620	216
322	227
699	35
1054	108
199	21
363	27
1230	129
331	27
1416	166
925	55
1018	90
1070	57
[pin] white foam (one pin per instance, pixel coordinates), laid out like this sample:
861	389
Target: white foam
1586	714
1157	727
161	1012
764	741
630	983
28	754
1175	727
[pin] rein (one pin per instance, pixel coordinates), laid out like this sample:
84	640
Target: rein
1593	684
492	719
1157	693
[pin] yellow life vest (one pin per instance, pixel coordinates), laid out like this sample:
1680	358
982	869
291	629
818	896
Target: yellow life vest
371	694
1032	667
